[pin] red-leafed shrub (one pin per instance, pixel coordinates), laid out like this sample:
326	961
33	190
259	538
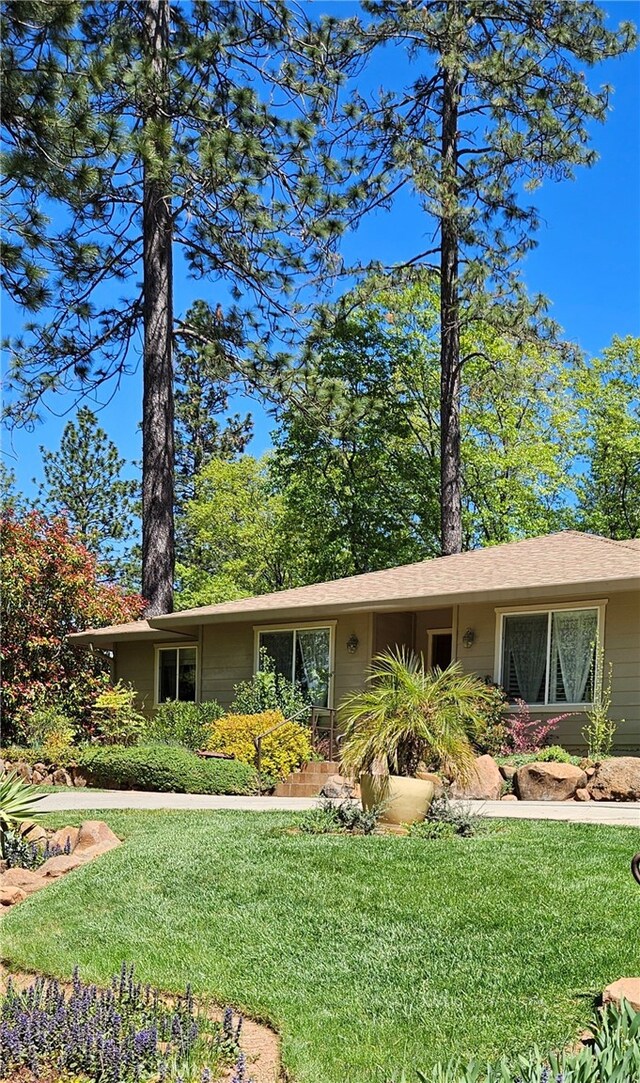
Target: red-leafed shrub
51	586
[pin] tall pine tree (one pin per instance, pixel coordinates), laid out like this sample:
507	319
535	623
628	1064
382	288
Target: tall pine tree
187	130
83	480
499	102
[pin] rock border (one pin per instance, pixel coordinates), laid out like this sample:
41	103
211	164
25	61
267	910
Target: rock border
92	839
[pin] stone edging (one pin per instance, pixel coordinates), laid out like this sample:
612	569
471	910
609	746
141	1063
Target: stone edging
90	840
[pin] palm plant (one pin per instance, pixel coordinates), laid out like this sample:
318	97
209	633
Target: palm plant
409	714
17	803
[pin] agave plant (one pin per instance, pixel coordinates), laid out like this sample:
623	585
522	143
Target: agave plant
409	714
17	802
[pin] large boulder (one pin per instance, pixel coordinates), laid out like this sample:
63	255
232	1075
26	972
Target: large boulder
11	895
548	781
616	780
338	788
54	867
484	782
623	988
33	832
24	770
95	837
431	776
62	777
28	879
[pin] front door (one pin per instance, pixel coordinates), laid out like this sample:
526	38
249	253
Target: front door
441	650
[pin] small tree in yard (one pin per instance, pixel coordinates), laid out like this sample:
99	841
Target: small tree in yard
51	587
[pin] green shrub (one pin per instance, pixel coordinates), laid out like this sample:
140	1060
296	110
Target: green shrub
268	691
116	718
166	769
489	724
283	750
552	754
462	818
50	732
44	722
600	728
432	829
184	723
346	818
60	758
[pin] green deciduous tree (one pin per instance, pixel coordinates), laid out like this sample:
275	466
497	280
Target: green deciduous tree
608	399
204	379
83	480
238	525
360	472
183	129
499	102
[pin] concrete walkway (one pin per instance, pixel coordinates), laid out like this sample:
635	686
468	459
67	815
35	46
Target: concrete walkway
590	812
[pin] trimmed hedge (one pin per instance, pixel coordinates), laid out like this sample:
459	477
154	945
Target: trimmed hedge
166	769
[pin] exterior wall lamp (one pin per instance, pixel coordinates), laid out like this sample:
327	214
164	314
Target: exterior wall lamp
352	643
469	637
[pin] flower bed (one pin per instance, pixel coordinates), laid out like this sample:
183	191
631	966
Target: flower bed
126	1032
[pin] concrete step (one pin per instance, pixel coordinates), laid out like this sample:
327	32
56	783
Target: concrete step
323	767
297	789
309	781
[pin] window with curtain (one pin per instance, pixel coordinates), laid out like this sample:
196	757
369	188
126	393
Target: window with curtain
302	655
177	674
549	657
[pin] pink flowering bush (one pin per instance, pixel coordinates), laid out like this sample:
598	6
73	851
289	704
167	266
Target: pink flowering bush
523	734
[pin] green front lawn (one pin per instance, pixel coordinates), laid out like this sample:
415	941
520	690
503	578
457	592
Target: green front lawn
369	954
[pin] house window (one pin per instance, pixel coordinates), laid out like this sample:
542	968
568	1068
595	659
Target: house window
177	674
302	655
548	657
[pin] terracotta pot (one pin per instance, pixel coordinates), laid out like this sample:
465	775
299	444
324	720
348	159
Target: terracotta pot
405	800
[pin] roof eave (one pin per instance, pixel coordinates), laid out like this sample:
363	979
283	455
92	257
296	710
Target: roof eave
258	614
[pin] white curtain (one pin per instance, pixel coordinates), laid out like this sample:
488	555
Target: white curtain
573	637
526	646
314	658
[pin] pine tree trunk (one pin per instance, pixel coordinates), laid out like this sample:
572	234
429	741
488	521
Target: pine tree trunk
450	485
157	407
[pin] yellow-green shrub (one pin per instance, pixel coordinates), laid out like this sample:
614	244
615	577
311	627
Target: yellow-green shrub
283	751
58	741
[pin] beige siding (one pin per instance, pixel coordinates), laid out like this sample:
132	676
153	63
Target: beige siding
478	658
392	630
622	649
227	659
351	669
430	620
134	663
227	656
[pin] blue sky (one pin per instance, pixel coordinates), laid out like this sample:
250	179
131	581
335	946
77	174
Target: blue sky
587	260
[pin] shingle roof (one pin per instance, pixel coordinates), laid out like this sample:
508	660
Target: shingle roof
569	561
560	559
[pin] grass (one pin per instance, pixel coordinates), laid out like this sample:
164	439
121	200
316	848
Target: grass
370	954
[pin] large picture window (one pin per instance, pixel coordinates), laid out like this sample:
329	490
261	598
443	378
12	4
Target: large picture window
177	674
302	655
548	657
